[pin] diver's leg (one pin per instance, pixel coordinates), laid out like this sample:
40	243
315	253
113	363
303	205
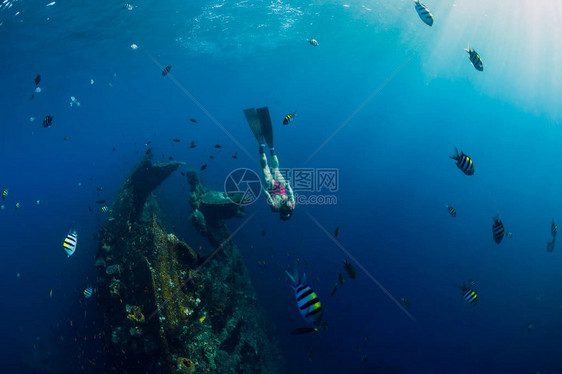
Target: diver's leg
266	172
275	166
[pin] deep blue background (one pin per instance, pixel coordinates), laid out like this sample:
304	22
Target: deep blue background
415	97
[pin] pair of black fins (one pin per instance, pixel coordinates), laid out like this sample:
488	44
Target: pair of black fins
260	124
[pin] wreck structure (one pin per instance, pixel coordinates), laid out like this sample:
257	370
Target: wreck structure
165	308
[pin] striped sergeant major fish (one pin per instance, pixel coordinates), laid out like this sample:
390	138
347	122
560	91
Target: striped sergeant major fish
70	243
289	117
5	194
88	292
497	229
308	303
424	13
469	295
553	229
463	162
474	58
452	211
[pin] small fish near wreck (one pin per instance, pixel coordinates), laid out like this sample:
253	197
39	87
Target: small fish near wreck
166	70
70	243
88	292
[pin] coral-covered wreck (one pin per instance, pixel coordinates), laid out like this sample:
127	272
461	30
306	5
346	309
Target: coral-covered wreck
166	309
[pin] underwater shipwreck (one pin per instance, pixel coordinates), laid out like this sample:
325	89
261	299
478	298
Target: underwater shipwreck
167	309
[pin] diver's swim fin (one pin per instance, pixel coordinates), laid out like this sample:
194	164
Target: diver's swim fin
254	122
266	127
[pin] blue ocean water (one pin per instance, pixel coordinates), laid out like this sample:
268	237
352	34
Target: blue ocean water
383	98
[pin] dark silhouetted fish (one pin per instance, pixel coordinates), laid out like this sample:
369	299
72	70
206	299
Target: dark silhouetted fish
176	140
550	246
47	121
498	230
166	70
37	79
452	211
349	269
193	120
203	167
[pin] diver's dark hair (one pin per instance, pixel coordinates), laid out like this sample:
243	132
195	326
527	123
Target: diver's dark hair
285	212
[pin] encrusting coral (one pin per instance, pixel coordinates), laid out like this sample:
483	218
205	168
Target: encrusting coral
136	315
185	365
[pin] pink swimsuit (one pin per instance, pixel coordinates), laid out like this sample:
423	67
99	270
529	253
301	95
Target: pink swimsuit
277	189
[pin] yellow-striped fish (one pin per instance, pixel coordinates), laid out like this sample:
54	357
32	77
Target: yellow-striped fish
104	209
70	243
463	162
424	13
289	117
475	58
469	295
5	194
308	303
